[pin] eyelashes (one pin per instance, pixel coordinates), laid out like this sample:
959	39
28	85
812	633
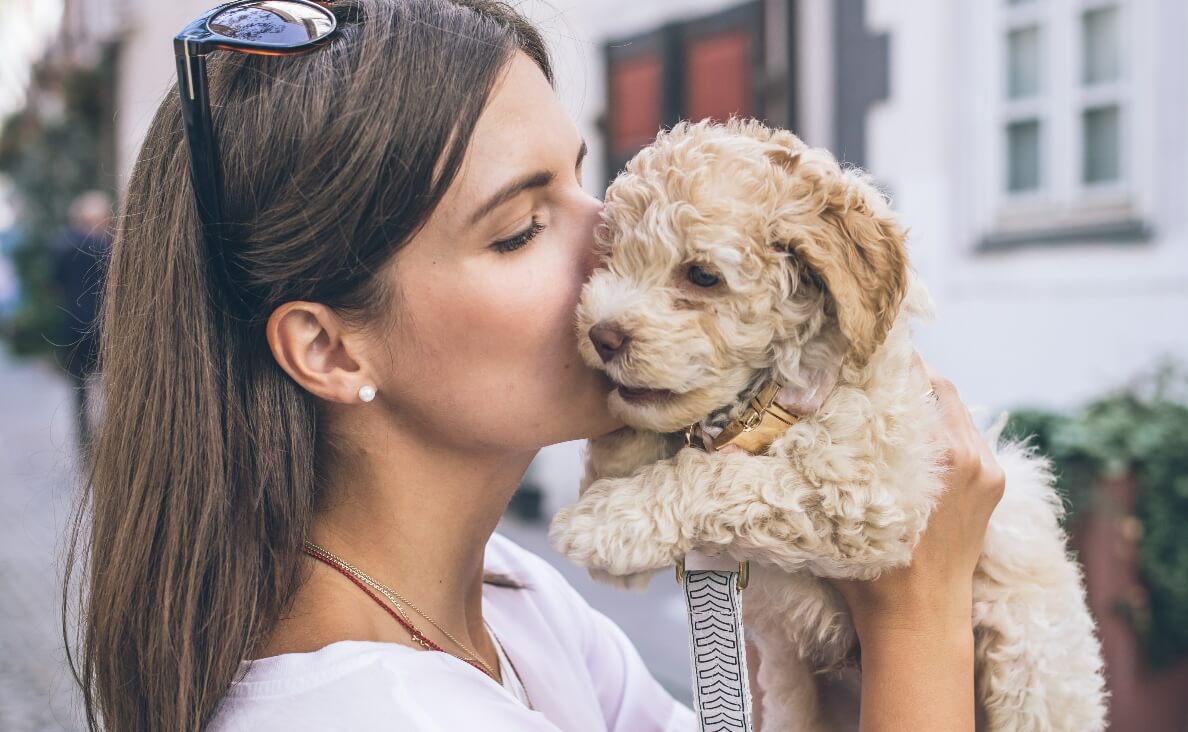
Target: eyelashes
520	239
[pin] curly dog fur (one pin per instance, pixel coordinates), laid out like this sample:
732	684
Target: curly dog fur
802	276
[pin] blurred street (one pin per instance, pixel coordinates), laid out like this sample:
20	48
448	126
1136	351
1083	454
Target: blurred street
37	455
36	494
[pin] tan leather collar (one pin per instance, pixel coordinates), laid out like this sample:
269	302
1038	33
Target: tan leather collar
754	430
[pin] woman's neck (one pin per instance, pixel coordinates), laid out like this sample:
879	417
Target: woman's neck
417	517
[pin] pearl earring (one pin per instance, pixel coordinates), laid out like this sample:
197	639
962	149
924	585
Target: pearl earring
367	392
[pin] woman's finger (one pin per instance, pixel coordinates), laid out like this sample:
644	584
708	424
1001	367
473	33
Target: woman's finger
956	420
964	449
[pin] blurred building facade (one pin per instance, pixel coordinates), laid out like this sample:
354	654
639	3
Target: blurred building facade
86	27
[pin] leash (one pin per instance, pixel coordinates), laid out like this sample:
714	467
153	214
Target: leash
712	587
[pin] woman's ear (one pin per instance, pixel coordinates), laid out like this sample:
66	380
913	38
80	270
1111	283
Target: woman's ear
310	342
839	226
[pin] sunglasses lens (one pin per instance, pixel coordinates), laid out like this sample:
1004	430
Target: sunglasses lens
273	22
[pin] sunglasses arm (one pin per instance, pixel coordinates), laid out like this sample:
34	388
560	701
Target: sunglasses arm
202	145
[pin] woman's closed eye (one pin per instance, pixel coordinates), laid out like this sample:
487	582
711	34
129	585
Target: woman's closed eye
515	242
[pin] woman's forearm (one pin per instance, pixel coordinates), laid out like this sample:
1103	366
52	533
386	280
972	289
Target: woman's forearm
920	680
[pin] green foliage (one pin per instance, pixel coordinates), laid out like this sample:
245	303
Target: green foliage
1057	436
1143	431
50	161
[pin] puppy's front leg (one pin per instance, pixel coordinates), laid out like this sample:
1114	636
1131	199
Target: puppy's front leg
617	454
633	525
614	529
751	506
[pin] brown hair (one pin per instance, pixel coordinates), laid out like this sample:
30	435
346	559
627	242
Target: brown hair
205	471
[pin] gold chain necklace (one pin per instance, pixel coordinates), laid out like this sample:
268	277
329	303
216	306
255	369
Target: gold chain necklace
395	598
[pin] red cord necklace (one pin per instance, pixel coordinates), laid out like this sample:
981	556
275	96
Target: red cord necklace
417	635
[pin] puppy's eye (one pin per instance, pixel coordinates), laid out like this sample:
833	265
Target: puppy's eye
701	278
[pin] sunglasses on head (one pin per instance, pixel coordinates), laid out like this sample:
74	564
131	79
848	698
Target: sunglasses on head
259	27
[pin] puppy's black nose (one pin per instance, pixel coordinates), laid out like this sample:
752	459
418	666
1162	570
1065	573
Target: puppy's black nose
608	340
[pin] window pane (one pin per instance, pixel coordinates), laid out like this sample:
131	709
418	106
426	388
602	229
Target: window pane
635	94
718	70
1102	45
1100	128
1023	62
1023	155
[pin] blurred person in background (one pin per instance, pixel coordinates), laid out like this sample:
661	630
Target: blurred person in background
79	257
11	233
357	381
10	286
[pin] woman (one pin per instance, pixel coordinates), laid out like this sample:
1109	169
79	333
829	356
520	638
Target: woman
410	352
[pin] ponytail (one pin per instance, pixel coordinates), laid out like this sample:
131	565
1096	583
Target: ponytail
202	481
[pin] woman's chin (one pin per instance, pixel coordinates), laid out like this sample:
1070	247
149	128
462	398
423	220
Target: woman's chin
594	410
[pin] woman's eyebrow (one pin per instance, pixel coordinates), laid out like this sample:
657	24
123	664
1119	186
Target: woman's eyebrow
538	179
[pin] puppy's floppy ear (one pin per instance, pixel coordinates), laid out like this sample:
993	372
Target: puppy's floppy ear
839	225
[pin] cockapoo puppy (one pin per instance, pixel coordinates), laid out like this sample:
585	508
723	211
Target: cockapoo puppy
737	257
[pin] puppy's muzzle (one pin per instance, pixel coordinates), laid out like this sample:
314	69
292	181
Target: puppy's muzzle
608	339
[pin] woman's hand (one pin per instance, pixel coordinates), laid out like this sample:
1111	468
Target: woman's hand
914	623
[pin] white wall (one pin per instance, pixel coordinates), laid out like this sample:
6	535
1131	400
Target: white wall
147	69
1044	325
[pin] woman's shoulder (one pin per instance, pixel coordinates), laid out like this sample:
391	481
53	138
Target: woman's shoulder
579	668
504	556
354	684
368	685
542	588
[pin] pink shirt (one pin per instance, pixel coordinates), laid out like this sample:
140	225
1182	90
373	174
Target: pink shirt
579	669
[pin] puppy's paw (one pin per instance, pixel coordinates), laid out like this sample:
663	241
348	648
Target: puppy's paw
608	530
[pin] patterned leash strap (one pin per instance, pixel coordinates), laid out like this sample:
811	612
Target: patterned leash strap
713	595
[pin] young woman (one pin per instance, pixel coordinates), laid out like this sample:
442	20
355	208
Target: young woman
409	224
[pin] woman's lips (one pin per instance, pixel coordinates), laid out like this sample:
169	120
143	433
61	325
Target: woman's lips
643	396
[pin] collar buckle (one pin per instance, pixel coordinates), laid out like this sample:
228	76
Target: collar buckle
754	430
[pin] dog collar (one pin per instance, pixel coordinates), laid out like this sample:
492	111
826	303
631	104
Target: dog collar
754	430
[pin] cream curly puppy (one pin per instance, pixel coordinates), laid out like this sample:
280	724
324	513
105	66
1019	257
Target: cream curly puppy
736	257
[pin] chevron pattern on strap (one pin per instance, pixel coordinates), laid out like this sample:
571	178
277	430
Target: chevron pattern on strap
721	689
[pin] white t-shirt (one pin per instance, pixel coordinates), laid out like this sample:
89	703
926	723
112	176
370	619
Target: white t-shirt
508	672
579	669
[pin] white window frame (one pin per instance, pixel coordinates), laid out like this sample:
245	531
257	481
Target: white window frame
1062	200
1038	107
1117	92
